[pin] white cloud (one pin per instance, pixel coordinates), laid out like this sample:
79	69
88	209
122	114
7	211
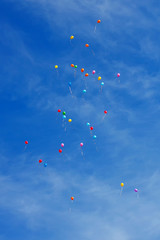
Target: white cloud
97	211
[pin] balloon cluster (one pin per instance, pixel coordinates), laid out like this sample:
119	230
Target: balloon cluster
86	75
64	115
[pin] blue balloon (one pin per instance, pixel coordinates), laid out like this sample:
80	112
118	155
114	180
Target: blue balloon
94	136
88	124
84	91
64	116
45	164
102	83
69	84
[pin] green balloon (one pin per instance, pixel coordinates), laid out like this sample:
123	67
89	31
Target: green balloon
64	113
75	66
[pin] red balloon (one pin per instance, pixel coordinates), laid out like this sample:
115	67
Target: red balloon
40	161
105	112
59	110
91	128
72	198
26	142
60	150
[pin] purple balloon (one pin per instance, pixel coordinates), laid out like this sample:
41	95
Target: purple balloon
136	190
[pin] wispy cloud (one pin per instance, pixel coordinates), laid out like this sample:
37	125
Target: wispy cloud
127	144
97	210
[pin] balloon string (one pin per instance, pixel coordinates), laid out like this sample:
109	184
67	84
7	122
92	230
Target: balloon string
92	52
70	90
75	74
95	29
96	145
70	209
82	154
64	125
66	156
103	117
65	129
85	82
57	74
121	191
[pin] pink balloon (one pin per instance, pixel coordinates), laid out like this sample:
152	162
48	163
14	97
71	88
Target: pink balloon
93	71
62	144
81	144
118	74
136	190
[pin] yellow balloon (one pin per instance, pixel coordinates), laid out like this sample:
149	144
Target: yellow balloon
99	78
70	120
56	66
71	37
122	184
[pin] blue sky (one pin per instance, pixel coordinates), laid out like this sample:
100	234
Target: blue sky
35	201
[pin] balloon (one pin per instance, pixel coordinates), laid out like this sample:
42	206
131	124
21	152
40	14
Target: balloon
118	74
87	45
122	184
72	65
81	144
84	91
71	37
98	21
45	164
40	161
93	71
91	128
82	69
105	112
59	110
64	113
72	198
86	74
88	124
69	84
94	136
75	66
26	142
102	83
62	144
60	150
69	120
99	78
136	190
64	116
56	66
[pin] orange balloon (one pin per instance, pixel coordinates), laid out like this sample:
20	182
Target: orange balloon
86	74
82	69
98	21
72	198
87	45
72	65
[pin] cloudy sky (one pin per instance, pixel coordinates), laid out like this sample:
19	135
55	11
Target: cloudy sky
35	200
